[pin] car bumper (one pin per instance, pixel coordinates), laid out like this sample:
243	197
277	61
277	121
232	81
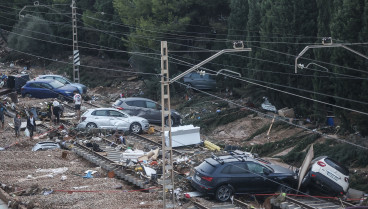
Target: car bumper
145	126
81	125
201	187
326	184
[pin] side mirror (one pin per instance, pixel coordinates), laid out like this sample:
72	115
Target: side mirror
266	171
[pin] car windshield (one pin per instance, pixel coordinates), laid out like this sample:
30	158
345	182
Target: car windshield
337	166
56	84
118	103
206	167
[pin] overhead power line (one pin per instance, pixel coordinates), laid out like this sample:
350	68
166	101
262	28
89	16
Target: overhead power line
286	92
270	116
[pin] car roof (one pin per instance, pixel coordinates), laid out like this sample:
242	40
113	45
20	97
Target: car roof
50	75
41	81
104	108
135	98
229	159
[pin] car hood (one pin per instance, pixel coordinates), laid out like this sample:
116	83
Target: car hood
280	169
136	118
68	87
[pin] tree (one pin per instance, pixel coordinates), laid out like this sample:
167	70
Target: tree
20	38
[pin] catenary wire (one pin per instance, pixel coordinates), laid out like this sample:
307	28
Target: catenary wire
270	116
303	97
290	87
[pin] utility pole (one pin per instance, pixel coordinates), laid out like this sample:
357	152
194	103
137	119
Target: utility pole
167	158
76	61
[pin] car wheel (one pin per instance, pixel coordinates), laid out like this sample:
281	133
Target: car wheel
167	121
28	95
285	188
91	125
223	193
136	128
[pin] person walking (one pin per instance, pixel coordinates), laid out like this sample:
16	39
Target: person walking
17	124
77	103
2	115
56	111
31	125
50	110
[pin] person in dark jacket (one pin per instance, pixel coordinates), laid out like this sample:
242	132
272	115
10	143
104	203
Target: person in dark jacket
17	124
56	111
31	125
2	115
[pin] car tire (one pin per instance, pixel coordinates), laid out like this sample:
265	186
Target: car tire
223	193
28	95
167	122
136	128
91	125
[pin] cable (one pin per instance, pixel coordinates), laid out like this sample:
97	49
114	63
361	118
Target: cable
156	54
87	66
195	89
285	92
290	87
270	116
283	53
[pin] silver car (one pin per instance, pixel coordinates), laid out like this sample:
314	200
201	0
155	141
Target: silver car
110	118
81	88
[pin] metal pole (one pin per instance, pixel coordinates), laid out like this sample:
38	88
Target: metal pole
76	61
167	164
325	46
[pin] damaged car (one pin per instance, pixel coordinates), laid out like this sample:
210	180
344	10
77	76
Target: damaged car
147	109
110	118
234	174
327	175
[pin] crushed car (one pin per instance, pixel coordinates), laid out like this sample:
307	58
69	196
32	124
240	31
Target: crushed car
47	145
239	174
327	175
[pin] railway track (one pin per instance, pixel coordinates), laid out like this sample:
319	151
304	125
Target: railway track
309	203
109	163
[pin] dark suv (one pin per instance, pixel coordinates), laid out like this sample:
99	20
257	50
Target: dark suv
147	109
235	174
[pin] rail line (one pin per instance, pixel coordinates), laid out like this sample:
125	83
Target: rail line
309	203
109	163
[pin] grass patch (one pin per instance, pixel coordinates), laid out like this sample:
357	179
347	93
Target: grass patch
277	125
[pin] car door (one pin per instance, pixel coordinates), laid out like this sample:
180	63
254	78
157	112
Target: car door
136	107
100	118
48	91
260	181
118	120
236	174
153	112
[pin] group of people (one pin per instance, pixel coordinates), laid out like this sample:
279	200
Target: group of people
54	112
31	122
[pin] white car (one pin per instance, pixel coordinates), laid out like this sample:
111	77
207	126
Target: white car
110	118
328	175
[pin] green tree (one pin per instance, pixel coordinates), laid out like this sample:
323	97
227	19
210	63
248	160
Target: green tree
19	38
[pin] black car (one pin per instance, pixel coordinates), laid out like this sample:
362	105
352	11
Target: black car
147	109
234	174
